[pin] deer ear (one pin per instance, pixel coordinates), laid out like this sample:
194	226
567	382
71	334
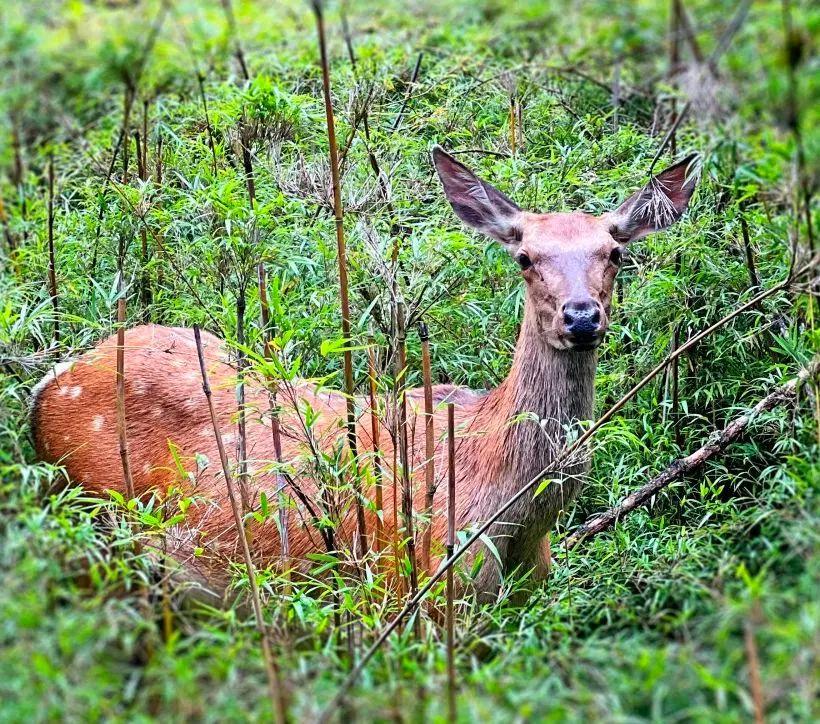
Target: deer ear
658	204
477	203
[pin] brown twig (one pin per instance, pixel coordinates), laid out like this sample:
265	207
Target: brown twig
200	79
338	213
52	266
429	444
451	542
240	55
375	434
277	697
692	462
404	450
413	78
754	279
122	433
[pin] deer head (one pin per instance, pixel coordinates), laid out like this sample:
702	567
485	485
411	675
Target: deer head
568	260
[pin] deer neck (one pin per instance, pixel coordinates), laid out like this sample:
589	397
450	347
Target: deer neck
527	416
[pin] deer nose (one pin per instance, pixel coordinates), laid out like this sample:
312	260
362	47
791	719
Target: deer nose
582	319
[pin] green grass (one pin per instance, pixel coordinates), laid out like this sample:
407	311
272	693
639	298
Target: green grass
643	623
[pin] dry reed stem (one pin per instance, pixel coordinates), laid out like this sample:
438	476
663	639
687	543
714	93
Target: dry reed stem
338	213
52	265
375	434
429	444
122	434
451	542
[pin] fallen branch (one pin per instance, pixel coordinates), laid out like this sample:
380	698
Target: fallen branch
696	460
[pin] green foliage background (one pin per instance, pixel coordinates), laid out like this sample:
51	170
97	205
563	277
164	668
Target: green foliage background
646	622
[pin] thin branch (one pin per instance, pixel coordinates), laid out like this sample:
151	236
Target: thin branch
693	462
278	704
338	213
52	265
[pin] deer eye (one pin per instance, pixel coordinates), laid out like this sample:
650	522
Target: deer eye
615	256
523	261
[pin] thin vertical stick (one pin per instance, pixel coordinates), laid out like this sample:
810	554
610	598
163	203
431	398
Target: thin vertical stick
750	259
512	123
616	93
275	429
241	422
404	453
52	266
241	362
240	56
142	170
158	235
277	696
413	78
451	543
200	79
338	213
122	433
429	444
375	433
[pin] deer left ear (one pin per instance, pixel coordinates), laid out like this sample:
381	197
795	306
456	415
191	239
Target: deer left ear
657	205
477	203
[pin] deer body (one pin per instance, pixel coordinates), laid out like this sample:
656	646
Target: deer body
505	437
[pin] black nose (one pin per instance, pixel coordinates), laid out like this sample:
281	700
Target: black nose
582	319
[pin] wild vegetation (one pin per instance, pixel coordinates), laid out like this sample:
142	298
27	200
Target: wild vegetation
157	155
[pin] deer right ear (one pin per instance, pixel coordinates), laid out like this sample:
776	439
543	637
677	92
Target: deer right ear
477	203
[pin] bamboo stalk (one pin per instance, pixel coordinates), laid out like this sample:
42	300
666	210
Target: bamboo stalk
142	170
158	236
241	421
404	453
275	690
451	542
338	213
375	434
429	444
52	265
276	435
754	279
200	79
122	434
512	124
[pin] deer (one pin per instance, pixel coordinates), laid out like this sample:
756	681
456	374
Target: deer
505	437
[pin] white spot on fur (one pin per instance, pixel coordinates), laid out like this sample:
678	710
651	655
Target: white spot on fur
75	392
140	388
228	438
156	412
205	432
146	468
49	377
97	423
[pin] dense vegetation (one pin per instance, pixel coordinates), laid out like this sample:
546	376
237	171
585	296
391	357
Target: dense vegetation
662	618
